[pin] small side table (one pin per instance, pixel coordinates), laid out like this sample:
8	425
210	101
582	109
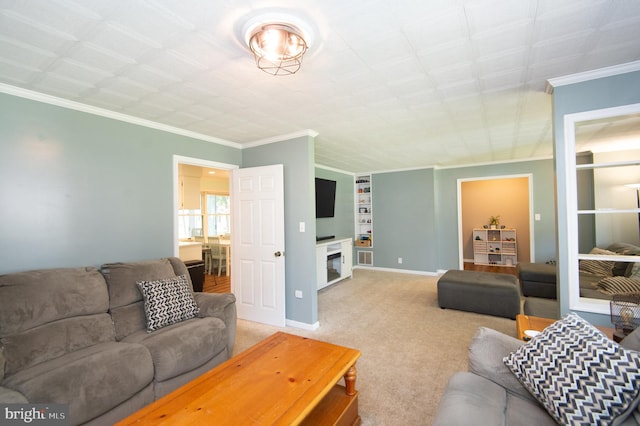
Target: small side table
528	322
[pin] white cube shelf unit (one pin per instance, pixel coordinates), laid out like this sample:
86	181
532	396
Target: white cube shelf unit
495	247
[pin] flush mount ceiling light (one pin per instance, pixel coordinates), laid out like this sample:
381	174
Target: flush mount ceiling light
278	46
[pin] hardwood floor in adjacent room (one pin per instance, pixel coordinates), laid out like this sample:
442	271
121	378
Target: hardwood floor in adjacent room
217	284
469	266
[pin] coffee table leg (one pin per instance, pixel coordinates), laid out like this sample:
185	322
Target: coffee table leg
350	380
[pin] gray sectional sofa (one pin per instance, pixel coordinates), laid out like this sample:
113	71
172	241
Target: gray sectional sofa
79	336
490	394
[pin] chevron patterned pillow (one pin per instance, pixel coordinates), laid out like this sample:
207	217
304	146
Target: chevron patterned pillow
167	301
578	374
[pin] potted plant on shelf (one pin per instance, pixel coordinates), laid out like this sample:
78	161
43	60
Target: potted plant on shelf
494	221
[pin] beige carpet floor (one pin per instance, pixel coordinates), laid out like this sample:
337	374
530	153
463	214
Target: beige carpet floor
410	347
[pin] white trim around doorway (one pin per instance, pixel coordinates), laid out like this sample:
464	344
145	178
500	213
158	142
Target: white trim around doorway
529	177
179	159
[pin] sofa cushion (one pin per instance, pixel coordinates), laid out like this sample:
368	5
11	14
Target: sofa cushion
471	399
617	285
92	380
47	313
632	341
129	319
182	347
33	298
125	300
167	301
122	277
486	351
54	340
578	374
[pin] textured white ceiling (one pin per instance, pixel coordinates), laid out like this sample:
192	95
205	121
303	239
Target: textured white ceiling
386	84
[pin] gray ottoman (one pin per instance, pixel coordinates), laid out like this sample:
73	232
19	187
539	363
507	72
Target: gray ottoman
537	279
480	292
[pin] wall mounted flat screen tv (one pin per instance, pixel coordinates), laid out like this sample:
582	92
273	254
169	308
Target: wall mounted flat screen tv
325	197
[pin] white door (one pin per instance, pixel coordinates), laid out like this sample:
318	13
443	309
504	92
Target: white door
257	243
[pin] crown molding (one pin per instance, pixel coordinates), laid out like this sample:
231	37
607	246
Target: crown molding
591	75
280	138
496	163
333	169
78	106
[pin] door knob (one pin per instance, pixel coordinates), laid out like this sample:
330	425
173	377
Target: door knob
277	254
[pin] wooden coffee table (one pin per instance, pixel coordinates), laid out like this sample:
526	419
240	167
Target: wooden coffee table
528	322
283	380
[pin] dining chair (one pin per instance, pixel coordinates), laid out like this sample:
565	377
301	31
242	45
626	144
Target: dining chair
217	256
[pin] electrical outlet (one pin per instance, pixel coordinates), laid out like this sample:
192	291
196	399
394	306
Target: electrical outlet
537	216
399	260
302	226
298	294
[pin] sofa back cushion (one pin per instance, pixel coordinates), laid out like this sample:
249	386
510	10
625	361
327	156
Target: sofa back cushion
125	300
45	314
626	249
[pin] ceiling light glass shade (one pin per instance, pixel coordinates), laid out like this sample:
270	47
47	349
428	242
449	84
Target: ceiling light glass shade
278	48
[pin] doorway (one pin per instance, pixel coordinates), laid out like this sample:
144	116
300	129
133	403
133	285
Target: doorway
508	198
201	189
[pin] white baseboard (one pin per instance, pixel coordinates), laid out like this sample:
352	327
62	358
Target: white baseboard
302	325
402	271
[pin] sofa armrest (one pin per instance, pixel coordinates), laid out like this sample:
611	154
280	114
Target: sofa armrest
486	352
223	306
632	341
9	396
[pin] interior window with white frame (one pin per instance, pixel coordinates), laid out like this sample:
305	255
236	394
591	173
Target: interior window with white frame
217	213
190	224
608	220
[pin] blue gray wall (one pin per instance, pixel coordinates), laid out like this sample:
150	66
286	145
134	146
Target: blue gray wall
404	220
343	223
77	189
297	157
544	232
415	214
596	94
